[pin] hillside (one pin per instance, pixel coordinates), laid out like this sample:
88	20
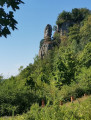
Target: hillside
64	71
79	109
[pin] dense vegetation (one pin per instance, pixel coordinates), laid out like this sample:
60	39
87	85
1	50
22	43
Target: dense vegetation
75	16
79	110
64	72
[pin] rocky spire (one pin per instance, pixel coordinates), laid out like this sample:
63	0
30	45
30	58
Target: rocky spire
47	44
48	32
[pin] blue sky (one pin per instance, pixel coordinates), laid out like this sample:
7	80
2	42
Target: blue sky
22	45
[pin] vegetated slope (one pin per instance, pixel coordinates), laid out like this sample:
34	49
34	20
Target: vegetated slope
64	72
78	110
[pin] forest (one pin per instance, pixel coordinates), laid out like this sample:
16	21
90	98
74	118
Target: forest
36	92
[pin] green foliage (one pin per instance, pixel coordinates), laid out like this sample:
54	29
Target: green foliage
74	37
64	66
56	37
73	111
1	78
7	20
84	79
75	16
85	32
64	72
79	14
54	28
85	56
74	33
63	17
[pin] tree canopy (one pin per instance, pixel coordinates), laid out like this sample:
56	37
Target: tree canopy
75	16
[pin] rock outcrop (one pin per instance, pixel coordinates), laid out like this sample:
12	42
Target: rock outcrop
48	32
63	28
47	44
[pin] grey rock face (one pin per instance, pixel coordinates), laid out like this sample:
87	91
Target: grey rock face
47	45
64	28
48	32
44	49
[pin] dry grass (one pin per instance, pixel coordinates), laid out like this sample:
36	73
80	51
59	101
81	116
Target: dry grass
78	100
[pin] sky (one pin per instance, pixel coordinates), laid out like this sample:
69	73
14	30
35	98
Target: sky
21	47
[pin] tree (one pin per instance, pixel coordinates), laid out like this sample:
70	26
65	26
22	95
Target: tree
7	20
74	37
84	79
79	14
85	32
20	69
63	17
85	56
1	78
54	28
